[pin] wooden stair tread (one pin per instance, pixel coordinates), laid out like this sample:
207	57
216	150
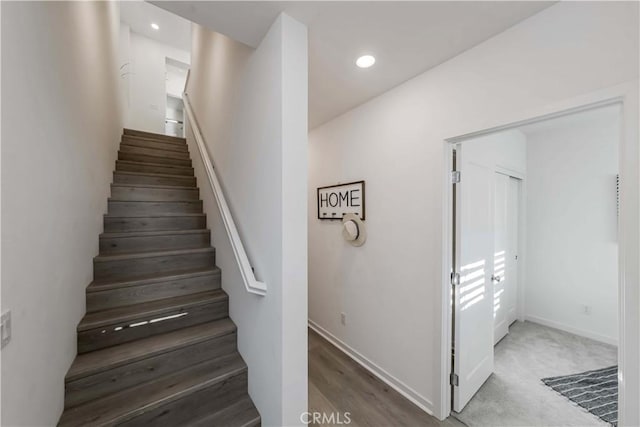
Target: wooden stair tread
157	215
110	357
154	233
243	413
154	201
149	159
151	135
164	165
151	139
168	187
129	403
156	144
161	175
99	319
151	254
99	286
168	147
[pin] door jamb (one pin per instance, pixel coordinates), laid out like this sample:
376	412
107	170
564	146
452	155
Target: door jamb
626	96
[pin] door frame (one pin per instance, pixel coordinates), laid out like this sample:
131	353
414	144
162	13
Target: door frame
626	95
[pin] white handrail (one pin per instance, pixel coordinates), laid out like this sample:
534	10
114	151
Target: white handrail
251	284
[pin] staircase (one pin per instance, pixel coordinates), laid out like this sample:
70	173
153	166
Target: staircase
156	346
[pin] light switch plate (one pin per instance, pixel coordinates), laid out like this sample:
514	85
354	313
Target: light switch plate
6	328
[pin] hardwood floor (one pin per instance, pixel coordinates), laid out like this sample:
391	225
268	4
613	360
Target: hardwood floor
338	385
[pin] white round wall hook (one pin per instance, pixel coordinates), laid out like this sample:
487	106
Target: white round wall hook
353	230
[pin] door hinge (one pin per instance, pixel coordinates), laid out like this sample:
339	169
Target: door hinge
455	177
453	379
455	279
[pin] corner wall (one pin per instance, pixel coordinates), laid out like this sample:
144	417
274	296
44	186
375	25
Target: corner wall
251	106
60	129
391	289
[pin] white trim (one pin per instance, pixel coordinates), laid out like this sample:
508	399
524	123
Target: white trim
628	243
561	326
384	376
251	284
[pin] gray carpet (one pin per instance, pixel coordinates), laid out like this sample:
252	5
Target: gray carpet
596	391
514	395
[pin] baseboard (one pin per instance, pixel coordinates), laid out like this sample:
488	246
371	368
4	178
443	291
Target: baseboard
402	388
557	325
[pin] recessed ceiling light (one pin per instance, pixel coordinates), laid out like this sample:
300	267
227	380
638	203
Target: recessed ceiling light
365	61
155	26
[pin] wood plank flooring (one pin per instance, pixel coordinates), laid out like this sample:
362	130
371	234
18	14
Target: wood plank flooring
337	384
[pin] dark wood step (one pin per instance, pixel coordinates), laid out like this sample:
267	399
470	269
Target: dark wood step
243	413
159	152
153	193
139	208
152	135
119	325
114	243
172	400
144	158
180	221
154	143
106	295
131	265
144	167
121	177
102	372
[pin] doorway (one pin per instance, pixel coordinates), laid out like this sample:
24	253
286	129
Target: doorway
535	269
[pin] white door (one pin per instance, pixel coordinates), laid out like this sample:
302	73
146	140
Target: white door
505	268
473	297
500	253
513	227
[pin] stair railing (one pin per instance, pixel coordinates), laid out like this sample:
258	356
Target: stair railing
252	285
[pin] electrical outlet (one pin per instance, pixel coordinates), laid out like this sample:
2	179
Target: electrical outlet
586	309
6	328
343	318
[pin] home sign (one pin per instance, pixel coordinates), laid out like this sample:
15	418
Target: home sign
335	201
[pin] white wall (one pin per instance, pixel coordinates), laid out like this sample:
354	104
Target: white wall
60	131
391	289
147	79
572	249
252	108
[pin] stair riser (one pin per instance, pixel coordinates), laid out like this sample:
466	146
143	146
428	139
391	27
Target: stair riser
142	134
194	406
122	377
145	194
114	245
120	297
94	339
123	208
133	157
119	224
154	143
122	178
136	267
159	152
147	168
240	414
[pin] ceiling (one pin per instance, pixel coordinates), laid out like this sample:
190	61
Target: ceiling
174	30
407	38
